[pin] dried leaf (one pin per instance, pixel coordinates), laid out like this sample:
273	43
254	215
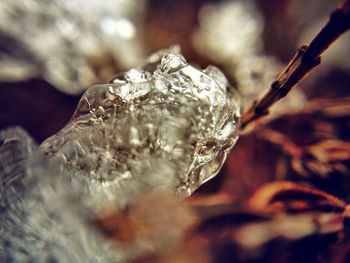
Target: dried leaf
291	197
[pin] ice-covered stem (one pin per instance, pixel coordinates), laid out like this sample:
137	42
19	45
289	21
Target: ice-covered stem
306	58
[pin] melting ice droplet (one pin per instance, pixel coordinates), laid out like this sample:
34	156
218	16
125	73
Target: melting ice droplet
168	125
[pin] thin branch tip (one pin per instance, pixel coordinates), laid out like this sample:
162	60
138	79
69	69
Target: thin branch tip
303	62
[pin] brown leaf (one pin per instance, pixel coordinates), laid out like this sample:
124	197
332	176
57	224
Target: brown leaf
291	197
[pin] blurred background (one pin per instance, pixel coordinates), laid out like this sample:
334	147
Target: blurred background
53	50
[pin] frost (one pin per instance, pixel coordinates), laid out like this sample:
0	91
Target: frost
41	218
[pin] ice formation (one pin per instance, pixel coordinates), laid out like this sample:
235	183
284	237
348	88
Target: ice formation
41	217
166	126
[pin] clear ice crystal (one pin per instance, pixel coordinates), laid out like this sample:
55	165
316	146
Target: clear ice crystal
167	125
162	129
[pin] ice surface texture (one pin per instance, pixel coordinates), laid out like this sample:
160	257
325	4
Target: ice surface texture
40	216
167	125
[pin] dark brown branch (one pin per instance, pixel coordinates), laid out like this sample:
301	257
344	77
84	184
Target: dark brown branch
307	58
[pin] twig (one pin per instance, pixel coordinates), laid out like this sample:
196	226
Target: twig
307	58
